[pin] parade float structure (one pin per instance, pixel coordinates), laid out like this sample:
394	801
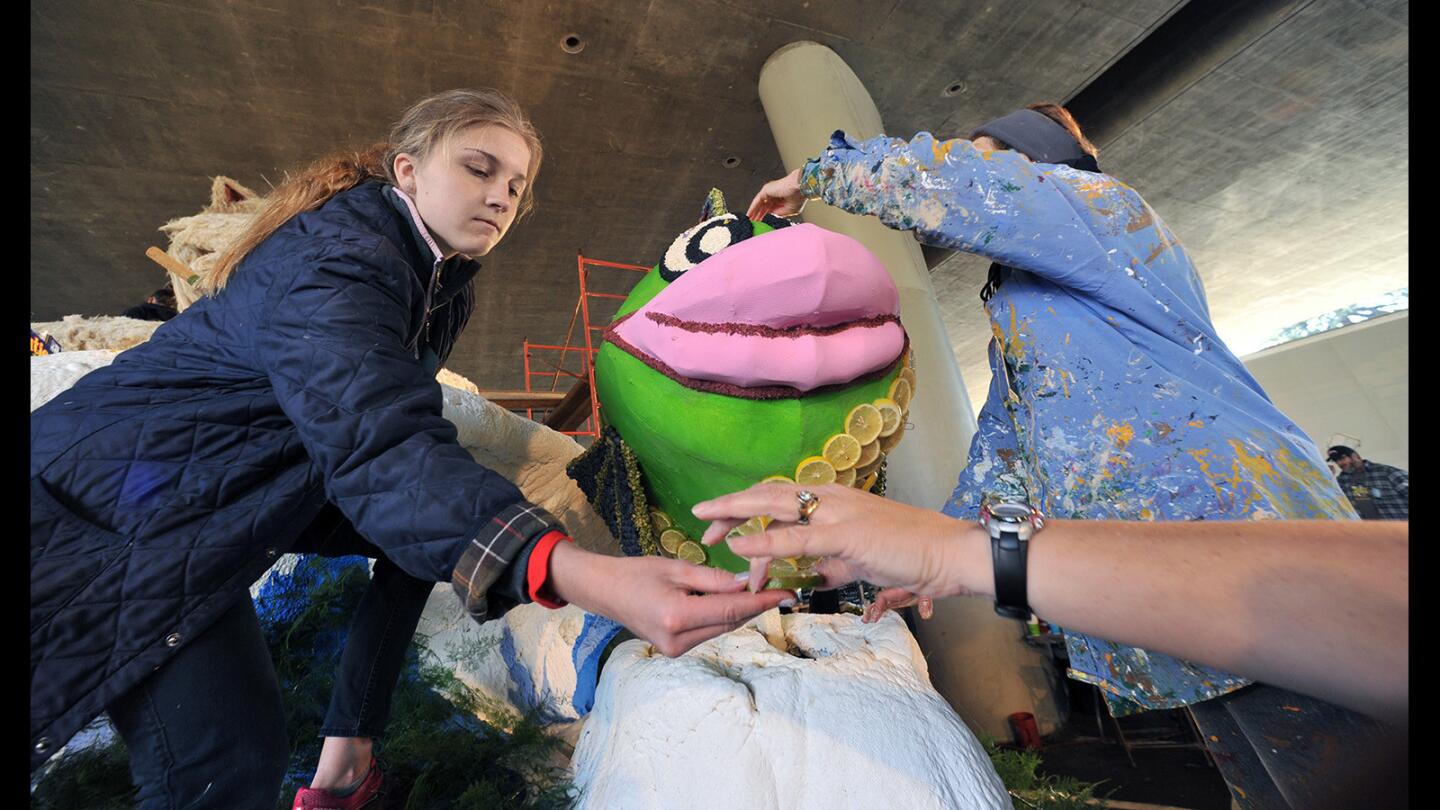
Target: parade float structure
788	711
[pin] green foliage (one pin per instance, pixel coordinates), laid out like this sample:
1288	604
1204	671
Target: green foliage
435	753
1031	790
95	778
439	758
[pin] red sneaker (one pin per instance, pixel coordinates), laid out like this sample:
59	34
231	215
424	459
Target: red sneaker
367	795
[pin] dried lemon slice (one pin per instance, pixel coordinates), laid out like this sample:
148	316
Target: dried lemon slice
784	479
869	454
889	414
869	482
754	525
814	471
862	472
670	540
864	422
846	478
842	450
908	375
691	552
889	443
900	391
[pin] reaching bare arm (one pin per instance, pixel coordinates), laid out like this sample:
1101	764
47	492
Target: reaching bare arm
1316	606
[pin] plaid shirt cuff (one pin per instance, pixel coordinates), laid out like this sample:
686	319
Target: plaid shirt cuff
485	573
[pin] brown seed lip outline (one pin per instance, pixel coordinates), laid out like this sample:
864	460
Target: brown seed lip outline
758	330
740	391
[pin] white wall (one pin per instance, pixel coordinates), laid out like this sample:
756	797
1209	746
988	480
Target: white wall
1353	381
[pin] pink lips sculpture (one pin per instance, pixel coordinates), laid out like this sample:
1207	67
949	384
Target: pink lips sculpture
799	307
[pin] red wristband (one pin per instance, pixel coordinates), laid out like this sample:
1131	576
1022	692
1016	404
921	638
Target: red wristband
537	573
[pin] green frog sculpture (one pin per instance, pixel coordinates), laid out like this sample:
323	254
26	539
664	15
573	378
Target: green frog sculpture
752	351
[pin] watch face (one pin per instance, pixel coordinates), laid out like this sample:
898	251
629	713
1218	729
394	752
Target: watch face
1011	511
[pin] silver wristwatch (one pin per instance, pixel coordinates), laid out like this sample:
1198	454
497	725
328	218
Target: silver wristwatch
1010	525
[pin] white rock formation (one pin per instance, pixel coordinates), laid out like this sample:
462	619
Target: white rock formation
447	377
848	719
521	661
53	373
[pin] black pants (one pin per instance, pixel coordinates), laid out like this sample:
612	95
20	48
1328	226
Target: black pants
208	728
379	634
375	647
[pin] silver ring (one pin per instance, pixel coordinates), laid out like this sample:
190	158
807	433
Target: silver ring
808	503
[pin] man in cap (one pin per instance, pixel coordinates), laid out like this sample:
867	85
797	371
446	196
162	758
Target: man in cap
1377	491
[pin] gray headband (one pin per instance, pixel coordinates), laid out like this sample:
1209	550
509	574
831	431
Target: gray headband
1034	135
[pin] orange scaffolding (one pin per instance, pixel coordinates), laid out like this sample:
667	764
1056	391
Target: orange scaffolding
603	313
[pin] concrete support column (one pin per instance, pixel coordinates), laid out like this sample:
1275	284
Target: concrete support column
976	658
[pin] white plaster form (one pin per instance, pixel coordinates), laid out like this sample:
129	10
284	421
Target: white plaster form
739	722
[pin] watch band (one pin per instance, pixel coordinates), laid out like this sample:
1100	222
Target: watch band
1009	553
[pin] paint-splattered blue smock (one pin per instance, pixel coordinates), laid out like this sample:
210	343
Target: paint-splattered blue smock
1112	397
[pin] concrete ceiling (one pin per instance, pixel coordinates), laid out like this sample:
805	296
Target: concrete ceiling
1284	168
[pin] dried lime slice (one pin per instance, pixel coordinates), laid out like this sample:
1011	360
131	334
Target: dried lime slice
783	567
803	564
900	391
869	454
814	471
754	525
864	422
845	478
660	521
691	552
889	414
794	583
670	540
842	450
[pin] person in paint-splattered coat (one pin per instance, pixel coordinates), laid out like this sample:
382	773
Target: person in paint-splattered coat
1112	397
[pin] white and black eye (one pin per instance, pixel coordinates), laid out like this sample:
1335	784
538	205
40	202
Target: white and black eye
703	241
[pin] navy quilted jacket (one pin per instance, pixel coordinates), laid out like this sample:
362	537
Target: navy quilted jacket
163	485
